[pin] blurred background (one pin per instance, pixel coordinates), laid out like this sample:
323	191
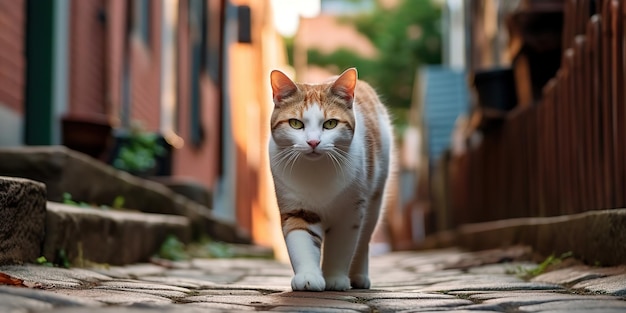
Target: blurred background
177	91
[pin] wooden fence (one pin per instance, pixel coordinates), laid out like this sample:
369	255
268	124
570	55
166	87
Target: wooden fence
567	153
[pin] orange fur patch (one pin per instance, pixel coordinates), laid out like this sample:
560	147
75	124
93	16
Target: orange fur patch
301	220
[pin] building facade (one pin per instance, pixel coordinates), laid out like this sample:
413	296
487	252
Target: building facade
191	71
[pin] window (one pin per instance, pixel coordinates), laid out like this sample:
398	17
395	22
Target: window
141	19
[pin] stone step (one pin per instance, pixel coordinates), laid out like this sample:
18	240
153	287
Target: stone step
86	179
22	219
30	227
108	236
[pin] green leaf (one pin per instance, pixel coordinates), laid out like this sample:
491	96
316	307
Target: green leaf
173	249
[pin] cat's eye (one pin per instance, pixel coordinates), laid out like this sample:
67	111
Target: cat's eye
330	124
297	124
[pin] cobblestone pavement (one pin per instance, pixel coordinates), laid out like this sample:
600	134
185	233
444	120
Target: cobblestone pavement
431	281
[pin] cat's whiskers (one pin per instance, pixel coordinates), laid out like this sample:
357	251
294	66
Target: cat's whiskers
281	156
293	159
284	158
335	163
343	156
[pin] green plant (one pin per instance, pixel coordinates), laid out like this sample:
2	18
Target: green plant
173	249
541	268
118	202
138	152
67	199
43	261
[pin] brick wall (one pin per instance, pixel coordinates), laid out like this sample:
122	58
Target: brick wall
202	162
145	60
12	49
87	57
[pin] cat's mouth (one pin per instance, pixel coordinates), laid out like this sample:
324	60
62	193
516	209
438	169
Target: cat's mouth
313	155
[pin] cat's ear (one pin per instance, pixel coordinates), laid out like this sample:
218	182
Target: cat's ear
282	86
344	86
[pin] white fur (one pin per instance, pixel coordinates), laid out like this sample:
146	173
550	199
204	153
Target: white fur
338	193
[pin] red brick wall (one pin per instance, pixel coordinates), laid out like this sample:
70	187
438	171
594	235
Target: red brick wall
201	163
145	73
116	30
12	61
87	58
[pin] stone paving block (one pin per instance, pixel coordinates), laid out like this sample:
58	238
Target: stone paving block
597	310
309	309
221	265
394	305
490	307
225	277
489	286
138	285
264	280
267	303
474	278
534	294
108	236
169	294
219	307
394	278
517	300
266	289
385	294
117	297
445	311
22	219
172	308
570	275
333	295
613	285
13	303
272	271
228	292
131	270
189	283
47	277
49	297
584	305
502	268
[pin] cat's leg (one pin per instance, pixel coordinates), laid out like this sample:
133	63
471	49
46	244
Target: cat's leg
304	239
339	245
359	269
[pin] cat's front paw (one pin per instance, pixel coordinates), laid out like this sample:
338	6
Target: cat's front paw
338	282
308	281
360	281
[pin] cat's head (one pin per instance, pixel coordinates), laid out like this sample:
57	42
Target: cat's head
313	120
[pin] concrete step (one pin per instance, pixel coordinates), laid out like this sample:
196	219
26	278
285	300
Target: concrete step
596	237
30	227
22	219
86	179
107	236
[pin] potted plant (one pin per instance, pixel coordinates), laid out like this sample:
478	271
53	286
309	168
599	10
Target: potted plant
141	153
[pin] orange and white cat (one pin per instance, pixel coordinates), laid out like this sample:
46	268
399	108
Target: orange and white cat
330	153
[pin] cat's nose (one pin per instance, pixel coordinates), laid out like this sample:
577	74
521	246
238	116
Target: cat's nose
313	143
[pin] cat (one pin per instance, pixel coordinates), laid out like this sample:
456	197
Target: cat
330	153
